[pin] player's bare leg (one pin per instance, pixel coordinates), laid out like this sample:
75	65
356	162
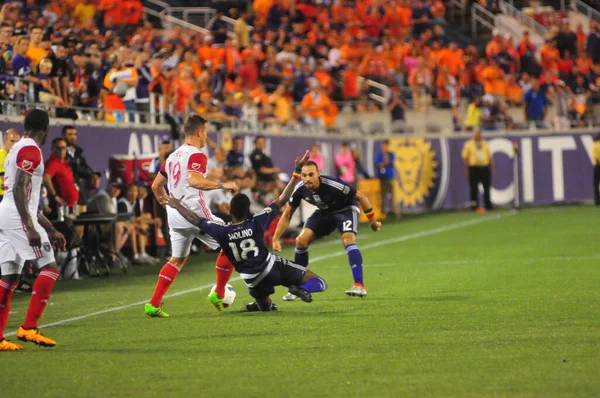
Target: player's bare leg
356	264
167	275
301	254
40	296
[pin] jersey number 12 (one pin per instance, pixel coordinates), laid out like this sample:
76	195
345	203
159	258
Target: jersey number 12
247	246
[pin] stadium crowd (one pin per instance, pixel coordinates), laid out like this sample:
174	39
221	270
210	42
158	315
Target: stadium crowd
299	64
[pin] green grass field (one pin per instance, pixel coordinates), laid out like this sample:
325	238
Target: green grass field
502	304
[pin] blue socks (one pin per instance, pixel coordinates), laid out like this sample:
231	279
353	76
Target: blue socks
315	285
356	263
301	257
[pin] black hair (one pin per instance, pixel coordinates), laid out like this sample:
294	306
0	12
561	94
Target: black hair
238	138
387	142
67	128
36	121
193	123
57	139
311	163
258	137
240	207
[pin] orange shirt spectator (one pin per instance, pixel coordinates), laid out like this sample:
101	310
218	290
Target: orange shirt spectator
493	47
132	11
513	91
257	54
493	79
261	9
452	58
550	56
584	63
183	90
324	79
113	11
114	108
259	95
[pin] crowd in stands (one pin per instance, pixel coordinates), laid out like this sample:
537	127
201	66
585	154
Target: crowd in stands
298	65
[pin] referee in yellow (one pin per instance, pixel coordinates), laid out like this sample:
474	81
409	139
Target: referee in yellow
479	169
10	138
596	158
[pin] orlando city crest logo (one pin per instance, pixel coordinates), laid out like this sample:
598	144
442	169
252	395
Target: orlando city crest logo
415	166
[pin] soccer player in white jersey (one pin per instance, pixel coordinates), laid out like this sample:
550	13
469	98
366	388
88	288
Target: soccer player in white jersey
25	234
184	175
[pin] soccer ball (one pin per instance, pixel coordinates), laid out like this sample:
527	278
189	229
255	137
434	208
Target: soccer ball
229	295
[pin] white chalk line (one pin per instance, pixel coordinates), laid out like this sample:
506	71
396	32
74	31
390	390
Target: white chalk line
318	258
482	261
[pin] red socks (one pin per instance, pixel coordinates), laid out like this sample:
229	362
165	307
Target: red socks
167	275
39	297
224	270
6	293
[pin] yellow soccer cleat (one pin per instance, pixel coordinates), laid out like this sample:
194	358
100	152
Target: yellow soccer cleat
6	345
34	336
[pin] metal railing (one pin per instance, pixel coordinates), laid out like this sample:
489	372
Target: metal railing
169	21
583	8
460	7
525	19
481	16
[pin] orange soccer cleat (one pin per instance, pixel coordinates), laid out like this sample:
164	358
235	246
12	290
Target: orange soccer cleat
6	345
34	336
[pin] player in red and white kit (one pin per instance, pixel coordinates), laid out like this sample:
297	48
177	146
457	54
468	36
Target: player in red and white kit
25	234
184	175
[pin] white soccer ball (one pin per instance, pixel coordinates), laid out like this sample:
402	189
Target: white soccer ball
230	295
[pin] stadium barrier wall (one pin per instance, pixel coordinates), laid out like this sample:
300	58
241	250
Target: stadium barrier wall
551	168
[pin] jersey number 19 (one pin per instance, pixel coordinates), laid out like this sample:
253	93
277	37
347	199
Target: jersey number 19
246	246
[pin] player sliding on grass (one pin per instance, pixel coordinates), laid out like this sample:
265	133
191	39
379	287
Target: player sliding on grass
243	244
184	173
25	234
337	203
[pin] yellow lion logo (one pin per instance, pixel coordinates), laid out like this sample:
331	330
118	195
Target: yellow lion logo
415	170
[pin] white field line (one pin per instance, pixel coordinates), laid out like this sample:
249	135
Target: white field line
318	258
488	261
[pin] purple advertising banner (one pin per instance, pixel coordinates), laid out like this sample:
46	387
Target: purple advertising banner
550	168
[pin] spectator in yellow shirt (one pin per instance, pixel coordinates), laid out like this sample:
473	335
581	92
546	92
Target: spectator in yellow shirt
479	168
10	138
36	52
84	11
596	159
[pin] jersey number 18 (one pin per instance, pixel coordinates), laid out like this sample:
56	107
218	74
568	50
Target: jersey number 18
246	246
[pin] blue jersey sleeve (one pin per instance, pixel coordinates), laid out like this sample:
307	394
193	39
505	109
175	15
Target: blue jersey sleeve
211	228
296	197
265	217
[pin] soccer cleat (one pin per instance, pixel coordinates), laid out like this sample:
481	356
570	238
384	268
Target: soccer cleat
253	307
215	301
34	336
357	290
155	312
289	297
6	345
303	294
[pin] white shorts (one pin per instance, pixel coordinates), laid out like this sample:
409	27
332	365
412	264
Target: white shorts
181	241
15	250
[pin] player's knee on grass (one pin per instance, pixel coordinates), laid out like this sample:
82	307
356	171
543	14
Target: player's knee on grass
304	239
348	239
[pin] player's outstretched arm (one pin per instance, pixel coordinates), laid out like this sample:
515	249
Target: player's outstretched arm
158	189
202	183
287	192
22	181
366	207
184	211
